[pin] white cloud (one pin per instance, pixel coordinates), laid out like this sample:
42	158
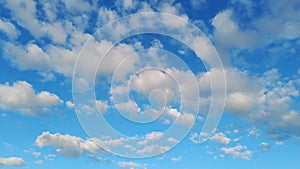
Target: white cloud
67	145
9	29
220	138
105	16
174	159
21	97
12	161
264	101
237	139
150	137
196	4
236	131
154	136
36	154
172	140
280	23
128	164
25	13
254	132
93	107
77	5
28	57
102	105
33	57
228	34
70	105
130	108
195	137
153	149
149	80
238	151
39	162
180	118
265	146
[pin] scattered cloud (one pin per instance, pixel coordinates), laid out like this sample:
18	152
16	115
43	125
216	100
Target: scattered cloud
9	29
131	165
174	159
265	146
39	162
12	161
238	151
69	146
21	97
220	138
70	104
153	149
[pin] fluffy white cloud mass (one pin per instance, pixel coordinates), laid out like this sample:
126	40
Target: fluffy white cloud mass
21	97
266	101
238	151
129	164
220	138
70	146
12	161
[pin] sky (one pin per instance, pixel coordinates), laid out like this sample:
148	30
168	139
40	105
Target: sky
149	84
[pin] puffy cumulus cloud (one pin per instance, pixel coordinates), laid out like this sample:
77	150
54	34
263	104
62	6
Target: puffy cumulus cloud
77	5
183	118
89	109
228	33
9	29
238	151
70	104
279	23
152	149
69	146
73	146
105	16
265	101
149	80
174	159
279	26
27	57
49	56
21	97
151	137
115	57
195	137
128	164
33	57
154	136
25	13
12	161
243	92
130	108
254	132
220	138
265	146
39	162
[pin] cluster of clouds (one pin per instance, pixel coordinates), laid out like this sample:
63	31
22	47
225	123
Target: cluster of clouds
70	146
21	97
73	146
12	161
265	100
230	143
277	23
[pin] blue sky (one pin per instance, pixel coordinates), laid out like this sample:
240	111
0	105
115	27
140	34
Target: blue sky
149	84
